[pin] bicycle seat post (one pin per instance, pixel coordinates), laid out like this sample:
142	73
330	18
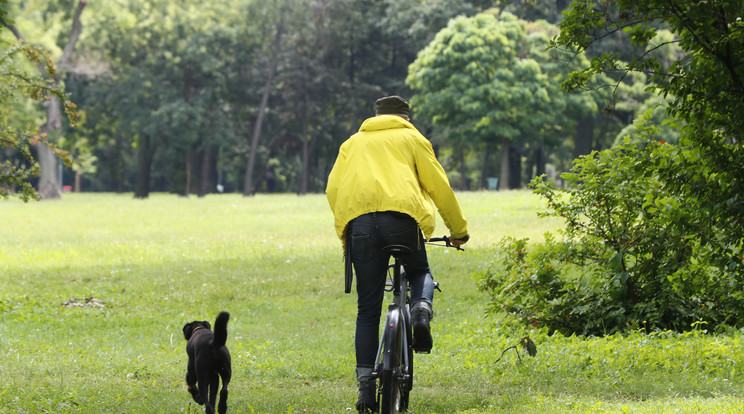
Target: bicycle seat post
398	251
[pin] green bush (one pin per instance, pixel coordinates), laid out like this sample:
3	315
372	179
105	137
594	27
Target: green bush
633	253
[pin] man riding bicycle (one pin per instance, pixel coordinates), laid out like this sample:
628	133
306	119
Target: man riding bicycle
380	191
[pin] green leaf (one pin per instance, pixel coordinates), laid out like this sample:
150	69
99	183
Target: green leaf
616	261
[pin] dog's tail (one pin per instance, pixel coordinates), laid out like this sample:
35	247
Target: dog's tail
220	329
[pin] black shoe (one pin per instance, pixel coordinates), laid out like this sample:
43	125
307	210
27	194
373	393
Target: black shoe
422	341
367	402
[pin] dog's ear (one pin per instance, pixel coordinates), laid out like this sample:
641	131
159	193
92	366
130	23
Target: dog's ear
187	330
206	325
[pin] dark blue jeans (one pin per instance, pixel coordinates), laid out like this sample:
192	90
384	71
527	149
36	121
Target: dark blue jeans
368	234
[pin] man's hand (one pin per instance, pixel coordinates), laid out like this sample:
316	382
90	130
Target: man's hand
459	242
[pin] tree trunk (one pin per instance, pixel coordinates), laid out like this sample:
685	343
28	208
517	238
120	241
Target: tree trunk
120	175
584	139
187	190
248	182
308	143
505	153
463	169
49	185
484	168
529	169
65	61
352	81
535	163
78	188
539	161
144	162
515	167
205	168
562	4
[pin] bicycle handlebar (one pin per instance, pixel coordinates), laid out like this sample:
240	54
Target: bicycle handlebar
349	273
447	243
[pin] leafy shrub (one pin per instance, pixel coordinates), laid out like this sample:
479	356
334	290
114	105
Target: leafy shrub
632	254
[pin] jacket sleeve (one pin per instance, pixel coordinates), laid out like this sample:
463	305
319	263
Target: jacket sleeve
333	179
435	182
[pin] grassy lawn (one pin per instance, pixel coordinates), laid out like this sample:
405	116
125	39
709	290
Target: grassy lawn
275	263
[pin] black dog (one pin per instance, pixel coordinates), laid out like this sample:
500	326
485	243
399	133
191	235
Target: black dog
209	360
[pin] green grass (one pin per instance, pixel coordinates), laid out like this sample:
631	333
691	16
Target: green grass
275	263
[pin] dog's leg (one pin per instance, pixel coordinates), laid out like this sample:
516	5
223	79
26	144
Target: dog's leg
222	408
226	375
195	394
204	392
208	405
213	387
191	383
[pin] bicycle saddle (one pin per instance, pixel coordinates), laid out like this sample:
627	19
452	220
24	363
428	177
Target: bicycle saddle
397	250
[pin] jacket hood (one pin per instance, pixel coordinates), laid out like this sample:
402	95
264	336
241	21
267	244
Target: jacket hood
382	122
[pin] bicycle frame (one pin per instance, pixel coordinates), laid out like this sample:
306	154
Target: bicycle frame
395	352
398	312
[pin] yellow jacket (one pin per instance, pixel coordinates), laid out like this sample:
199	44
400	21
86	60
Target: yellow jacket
389	166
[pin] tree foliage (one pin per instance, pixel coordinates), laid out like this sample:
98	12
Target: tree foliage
629	257
488	81
172	92
704	86
655	228
20	82
183	89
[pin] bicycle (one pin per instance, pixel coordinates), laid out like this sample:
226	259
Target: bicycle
394	362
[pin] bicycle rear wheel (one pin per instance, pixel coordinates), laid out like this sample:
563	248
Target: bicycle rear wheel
395	381
394	397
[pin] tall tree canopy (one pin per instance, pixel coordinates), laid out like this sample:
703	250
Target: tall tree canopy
704	88
250	95
486	81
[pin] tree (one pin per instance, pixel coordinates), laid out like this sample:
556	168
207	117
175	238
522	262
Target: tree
305	78
486	81
49	187
16	83
703	88
276	44
653	234
169	92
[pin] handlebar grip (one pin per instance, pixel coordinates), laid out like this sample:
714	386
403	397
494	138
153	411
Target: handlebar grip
463	239
447	241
